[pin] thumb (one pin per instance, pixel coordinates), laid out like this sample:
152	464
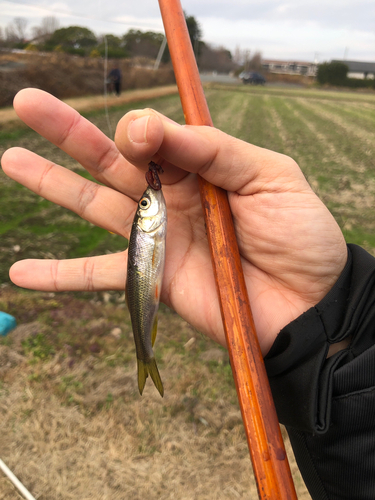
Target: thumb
221	159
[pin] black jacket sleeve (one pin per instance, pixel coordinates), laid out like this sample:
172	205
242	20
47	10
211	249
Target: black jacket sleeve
328	405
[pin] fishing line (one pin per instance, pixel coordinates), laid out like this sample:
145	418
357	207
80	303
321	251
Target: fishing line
105	86
105	76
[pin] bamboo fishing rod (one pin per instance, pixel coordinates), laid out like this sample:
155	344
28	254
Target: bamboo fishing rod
267	451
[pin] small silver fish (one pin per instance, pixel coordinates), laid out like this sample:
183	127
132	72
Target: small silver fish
146	257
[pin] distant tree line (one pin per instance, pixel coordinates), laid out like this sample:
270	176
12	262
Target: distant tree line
81	41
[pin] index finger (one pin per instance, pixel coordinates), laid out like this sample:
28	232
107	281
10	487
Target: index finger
78	137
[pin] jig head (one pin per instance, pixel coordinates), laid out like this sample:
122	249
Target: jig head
152	175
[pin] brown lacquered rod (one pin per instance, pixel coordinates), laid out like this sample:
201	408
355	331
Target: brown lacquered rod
270	463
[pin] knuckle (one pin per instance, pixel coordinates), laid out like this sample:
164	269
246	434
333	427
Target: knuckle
88	274
46	171
86	196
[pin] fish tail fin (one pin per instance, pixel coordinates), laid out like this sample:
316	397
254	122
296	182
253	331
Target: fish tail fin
144	369
155	375
142	375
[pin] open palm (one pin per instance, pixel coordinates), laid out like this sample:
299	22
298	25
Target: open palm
291	247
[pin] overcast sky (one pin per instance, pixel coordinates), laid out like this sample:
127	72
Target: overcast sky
281	29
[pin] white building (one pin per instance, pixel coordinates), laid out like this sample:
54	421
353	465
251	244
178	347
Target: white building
289	67
358	69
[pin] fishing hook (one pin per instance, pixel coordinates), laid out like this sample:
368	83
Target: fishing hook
152	175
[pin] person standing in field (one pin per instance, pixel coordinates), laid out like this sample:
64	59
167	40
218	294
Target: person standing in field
114	78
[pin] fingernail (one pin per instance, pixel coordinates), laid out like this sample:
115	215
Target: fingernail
138	130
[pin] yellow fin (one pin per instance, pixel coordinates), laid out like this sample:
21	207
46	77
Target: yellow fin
149	368
142	375
154	331
154	372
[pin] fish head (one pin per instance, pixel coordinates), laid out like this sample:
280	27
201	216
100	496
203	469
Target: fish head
151	211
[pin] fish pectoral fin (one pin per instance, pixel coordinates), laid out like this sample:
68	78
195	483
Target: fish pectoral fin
144	369
154	331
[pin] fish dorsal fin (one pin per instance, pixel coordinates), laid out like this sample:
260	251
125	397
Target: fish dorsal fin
154	331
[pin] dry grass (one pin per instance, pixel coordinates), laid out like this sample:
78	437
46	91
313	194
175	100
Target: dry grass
67	76
72	423
74	426
291	79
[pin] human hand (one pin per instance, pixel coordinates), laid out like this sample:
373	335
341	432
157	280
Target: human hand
292	250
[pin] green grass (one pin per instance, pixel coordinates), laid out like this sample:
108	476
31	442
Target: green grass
328	133
38	347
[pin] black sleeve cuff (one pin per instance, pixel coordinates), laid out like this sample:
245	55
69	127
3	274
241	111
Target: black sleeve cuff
302	379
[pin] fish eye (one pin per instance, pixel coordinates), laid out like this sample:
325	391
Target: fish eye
144	203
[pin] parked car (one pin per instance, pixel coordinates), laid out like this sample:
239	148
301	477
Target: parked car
253	78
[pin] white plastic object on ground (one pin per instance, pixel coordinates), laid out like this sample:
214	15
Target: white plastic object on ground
17	483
